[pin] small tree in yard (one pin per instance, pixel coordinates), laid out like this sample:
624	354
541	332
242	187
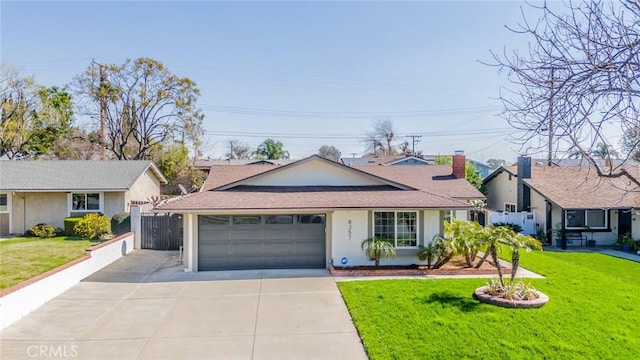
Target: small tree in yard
377	247
495	236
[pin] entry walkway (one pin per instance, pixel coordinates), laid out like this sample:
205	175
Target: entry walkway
144	307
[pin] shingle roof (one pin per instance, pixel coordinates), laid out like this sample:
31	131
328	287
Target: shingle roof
582	188
64	175
226	174
433	178
317	199
433	188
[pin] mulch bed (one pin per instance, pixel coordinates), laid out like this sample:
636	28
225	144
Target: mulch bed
457	266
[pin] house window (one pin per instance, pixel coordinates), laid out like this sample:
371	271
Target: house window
400	227
85	202
509	207
580	219
4	207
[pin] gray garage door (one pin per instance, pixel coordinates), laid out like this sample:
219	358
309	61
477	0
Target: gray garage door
261	241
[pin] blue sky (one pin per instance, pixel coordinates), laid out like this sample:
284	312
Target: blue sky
305	73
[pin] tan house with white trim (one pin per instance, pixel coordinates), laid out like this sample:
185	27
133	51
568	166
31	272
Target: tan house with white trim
316	213
34	192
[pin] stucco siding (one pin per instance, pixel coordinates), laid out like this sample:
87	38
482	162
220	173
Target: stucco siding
431	225
539	208
114	203
145	187
350	228
48	208
501	190
601	237
314	173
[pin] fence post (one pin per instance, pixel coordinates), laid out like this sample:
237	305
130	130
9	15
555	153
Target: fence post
136	226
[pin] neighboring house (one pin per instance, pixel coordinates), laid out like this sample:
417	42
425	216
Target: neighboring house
316	212
603	163
34	192
572	198
205	165
482	168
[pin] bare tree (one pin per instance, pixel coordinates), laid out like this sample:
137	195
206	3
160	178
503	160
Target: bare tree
239	150
382	138
146	106
578	82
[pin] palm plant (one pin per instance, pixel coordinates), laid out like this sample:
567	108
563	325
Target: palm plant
492	238
377	247
466	235
438	252
516	243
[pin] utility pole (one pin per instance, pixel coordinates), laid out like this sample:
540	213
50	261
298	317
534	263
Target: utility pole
414	139
103	109
231	152
550	154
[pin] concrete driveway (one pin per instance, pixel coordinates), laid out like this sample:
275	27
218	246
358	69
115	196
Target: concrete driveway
144	307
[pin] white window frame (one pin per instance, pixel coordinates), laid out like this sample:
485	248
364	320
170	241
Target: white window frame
515	209
8	211
586	220
70	202
395	227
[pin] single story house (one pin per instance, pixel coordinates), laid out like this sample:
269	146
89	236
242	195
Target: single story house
34	192
315	213
483	169
570	200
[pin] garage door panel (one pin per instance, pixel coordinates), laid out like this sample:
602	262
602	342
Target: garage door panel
253	246
277	232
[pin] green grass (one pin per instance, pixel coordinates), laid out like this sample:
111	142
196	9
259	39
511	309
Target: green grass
23	258
593	313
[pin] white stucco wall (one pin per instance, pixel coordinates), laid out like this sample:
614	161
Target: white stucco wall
501	190
15	302
539	207
350	228
601	237
314	173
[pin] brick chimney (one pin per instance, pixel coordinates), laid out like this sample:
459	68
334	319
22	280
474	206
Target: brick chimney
458	164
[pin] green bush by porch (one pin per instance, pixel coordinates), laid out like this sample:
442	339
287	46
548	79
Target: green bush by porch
23	258
593	311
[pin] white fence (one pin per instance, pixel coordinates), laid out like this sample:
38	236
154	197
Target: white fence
19	300
527	220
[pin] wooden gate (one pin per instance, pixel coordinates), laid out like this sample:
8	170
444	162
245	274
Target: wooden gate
161	231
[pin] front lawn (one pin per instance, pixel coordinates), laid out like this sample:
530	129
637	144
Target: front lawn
23	258
593	314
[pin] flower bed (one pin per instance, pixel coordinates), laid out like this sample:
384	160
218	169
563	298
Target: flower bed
456	266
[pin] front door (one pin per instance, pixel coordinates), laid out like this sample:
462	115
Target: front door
624	222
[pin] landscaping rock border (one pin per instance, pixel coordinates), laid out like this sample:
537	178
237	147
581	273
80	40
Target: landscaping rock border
521	304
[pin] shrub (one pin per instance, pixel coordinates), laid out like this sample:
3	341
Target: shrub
43	231
121	223
515	227
515	290
70	224
92	226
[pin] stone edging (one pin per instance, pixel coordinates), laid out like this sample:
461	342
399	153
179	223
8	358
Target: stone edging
521	304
